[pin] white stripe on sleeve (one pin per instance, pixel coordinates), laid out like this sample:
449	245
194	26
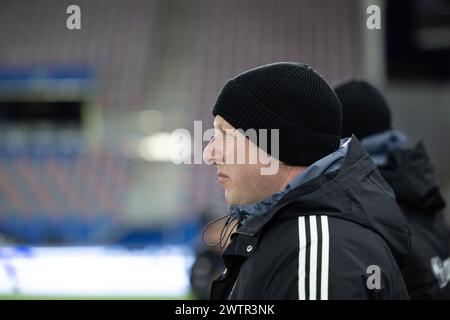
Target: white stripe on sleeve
301	258
325	258
313	258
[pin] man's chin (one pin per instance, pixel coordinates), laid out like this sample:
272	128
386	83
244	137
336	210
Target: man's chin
230	199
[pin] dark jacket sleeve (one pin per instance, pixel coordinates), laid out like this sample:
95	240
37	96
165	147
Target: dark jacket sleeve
328	258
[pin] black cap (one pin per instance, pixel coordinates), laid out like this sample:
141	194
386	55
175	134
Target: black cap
364	110
291	97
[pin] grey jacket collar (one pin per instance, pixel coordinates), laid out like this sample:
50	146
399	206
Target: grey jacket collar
380	145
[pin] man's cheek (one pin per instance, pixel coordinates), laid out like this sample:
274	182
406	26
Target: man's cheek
229	153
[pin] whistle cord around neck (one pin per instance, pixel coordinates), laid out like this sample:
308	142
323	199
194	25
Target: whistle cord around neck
225	233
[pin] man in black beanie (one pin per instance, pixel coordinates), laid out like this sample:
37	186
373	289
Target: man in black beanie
410	173
325	224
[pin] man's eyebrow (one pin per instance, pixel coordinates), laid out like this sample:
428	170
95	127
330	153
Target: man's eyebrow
219	126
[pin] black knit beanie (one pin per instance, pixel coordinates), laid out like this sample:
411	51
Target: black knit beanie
364	110
291	97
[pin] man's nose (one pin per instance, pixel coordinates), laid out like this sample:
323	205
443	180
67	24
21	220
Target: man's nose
209	153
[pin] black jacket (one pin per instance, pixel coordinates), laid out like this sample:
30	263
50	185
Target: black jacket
412	177
326	239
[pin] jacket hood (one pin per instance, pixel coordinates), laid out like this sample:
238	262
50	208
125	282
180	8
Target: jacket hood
356	192
413	178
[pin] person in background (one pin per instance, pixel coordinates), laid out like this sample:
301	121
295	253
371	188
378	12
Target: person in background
410	173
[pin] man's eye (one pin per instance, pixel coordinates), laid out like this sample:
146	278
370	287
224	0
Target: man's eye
230	136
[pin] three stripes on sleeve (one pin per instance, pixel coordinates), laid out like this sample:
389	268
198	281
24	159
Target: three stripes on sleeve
313	257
